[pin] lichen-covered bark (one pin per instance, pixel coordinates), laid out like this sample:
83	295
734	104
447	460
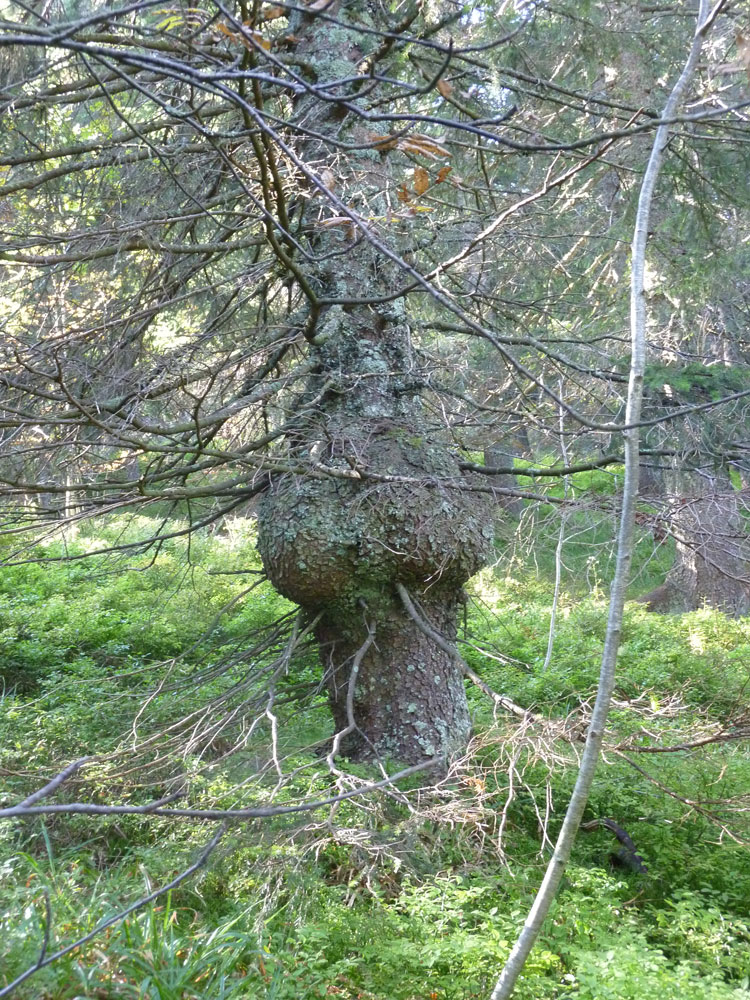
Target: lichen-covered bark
338	546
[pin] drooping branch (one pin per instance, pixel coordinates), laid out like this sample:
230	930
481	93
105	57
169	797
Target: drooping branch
159	806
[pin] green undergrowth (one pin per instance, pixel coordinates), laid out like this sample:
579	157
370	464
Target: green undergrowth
373	900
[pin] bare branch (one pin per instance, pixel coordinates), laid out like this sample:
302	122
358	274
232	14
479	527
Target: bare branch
45	960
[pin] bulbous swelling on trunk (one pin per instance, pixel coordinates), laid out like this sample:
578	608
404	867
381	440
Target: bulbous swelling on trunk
339	546
330	541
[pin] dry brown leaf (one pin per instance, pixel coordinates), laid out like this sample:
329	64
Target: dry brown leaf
271	13
421	180
424	145
445	88
329	178
384	142
403	194
339	220
259	40
442	174
256	37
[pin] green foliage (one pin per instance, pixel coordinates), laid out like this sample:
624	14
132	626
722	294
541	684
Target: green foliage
447	937
381	904
694	382
112	611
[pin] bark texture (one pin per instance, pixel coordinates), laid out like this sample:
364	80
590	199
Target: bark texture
337	541
409	700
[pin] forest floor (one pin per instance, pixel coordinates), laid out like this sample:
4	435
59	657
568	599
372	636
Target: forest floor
156	664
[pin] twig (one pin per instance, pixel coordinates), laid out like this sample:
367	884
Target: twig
351	721
55	783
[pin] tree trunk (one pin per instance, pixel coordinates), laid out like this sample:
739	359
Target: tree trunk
338	543
409	700
712	559
381	500
501	455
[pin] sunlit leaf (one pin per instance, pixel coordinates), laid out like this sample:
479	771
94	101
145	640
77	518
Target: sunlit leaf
421	180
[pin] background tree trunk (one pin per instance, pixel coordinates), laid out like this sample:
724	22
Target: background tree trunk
502	454
712	564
